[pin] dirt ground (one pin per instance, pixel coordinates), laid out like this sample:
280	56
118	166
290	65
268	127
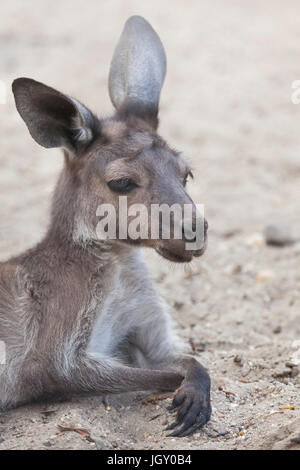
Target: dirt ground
227	105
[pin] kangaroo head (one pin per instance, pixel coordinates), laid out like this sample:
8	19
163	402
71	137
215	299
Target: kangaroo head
110	163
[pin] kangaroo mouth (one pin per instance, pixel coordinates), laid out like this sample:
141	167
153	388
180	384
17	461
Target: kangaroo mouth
171	256
175	257
180	256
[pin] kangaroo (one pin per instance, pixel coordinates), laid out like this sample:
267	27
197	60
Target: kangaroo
78	314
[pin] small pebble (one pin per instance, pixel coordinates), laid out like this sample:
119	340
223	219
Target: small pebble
276	235
256	239
294	372
238	360
295	357
223	433
47	444
265	275
98	442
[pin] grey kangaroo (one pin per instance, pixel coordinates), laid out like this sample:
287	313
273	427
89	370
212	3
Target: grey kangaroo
78	314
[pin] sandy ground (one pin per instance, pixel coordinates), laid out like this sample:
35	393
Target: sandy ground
227	105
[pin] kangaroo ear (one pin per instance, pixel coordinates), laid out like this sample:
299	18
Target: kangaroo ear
138	67
54	119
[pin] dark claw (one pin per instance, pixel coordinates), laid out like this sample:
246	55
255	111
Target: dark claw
177	401
182	432
188	427
192	401
105	401
181	413
194	410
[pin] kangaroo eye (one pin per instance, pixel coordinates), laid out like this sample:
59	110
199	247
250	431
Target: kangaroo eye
123	185
187	176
